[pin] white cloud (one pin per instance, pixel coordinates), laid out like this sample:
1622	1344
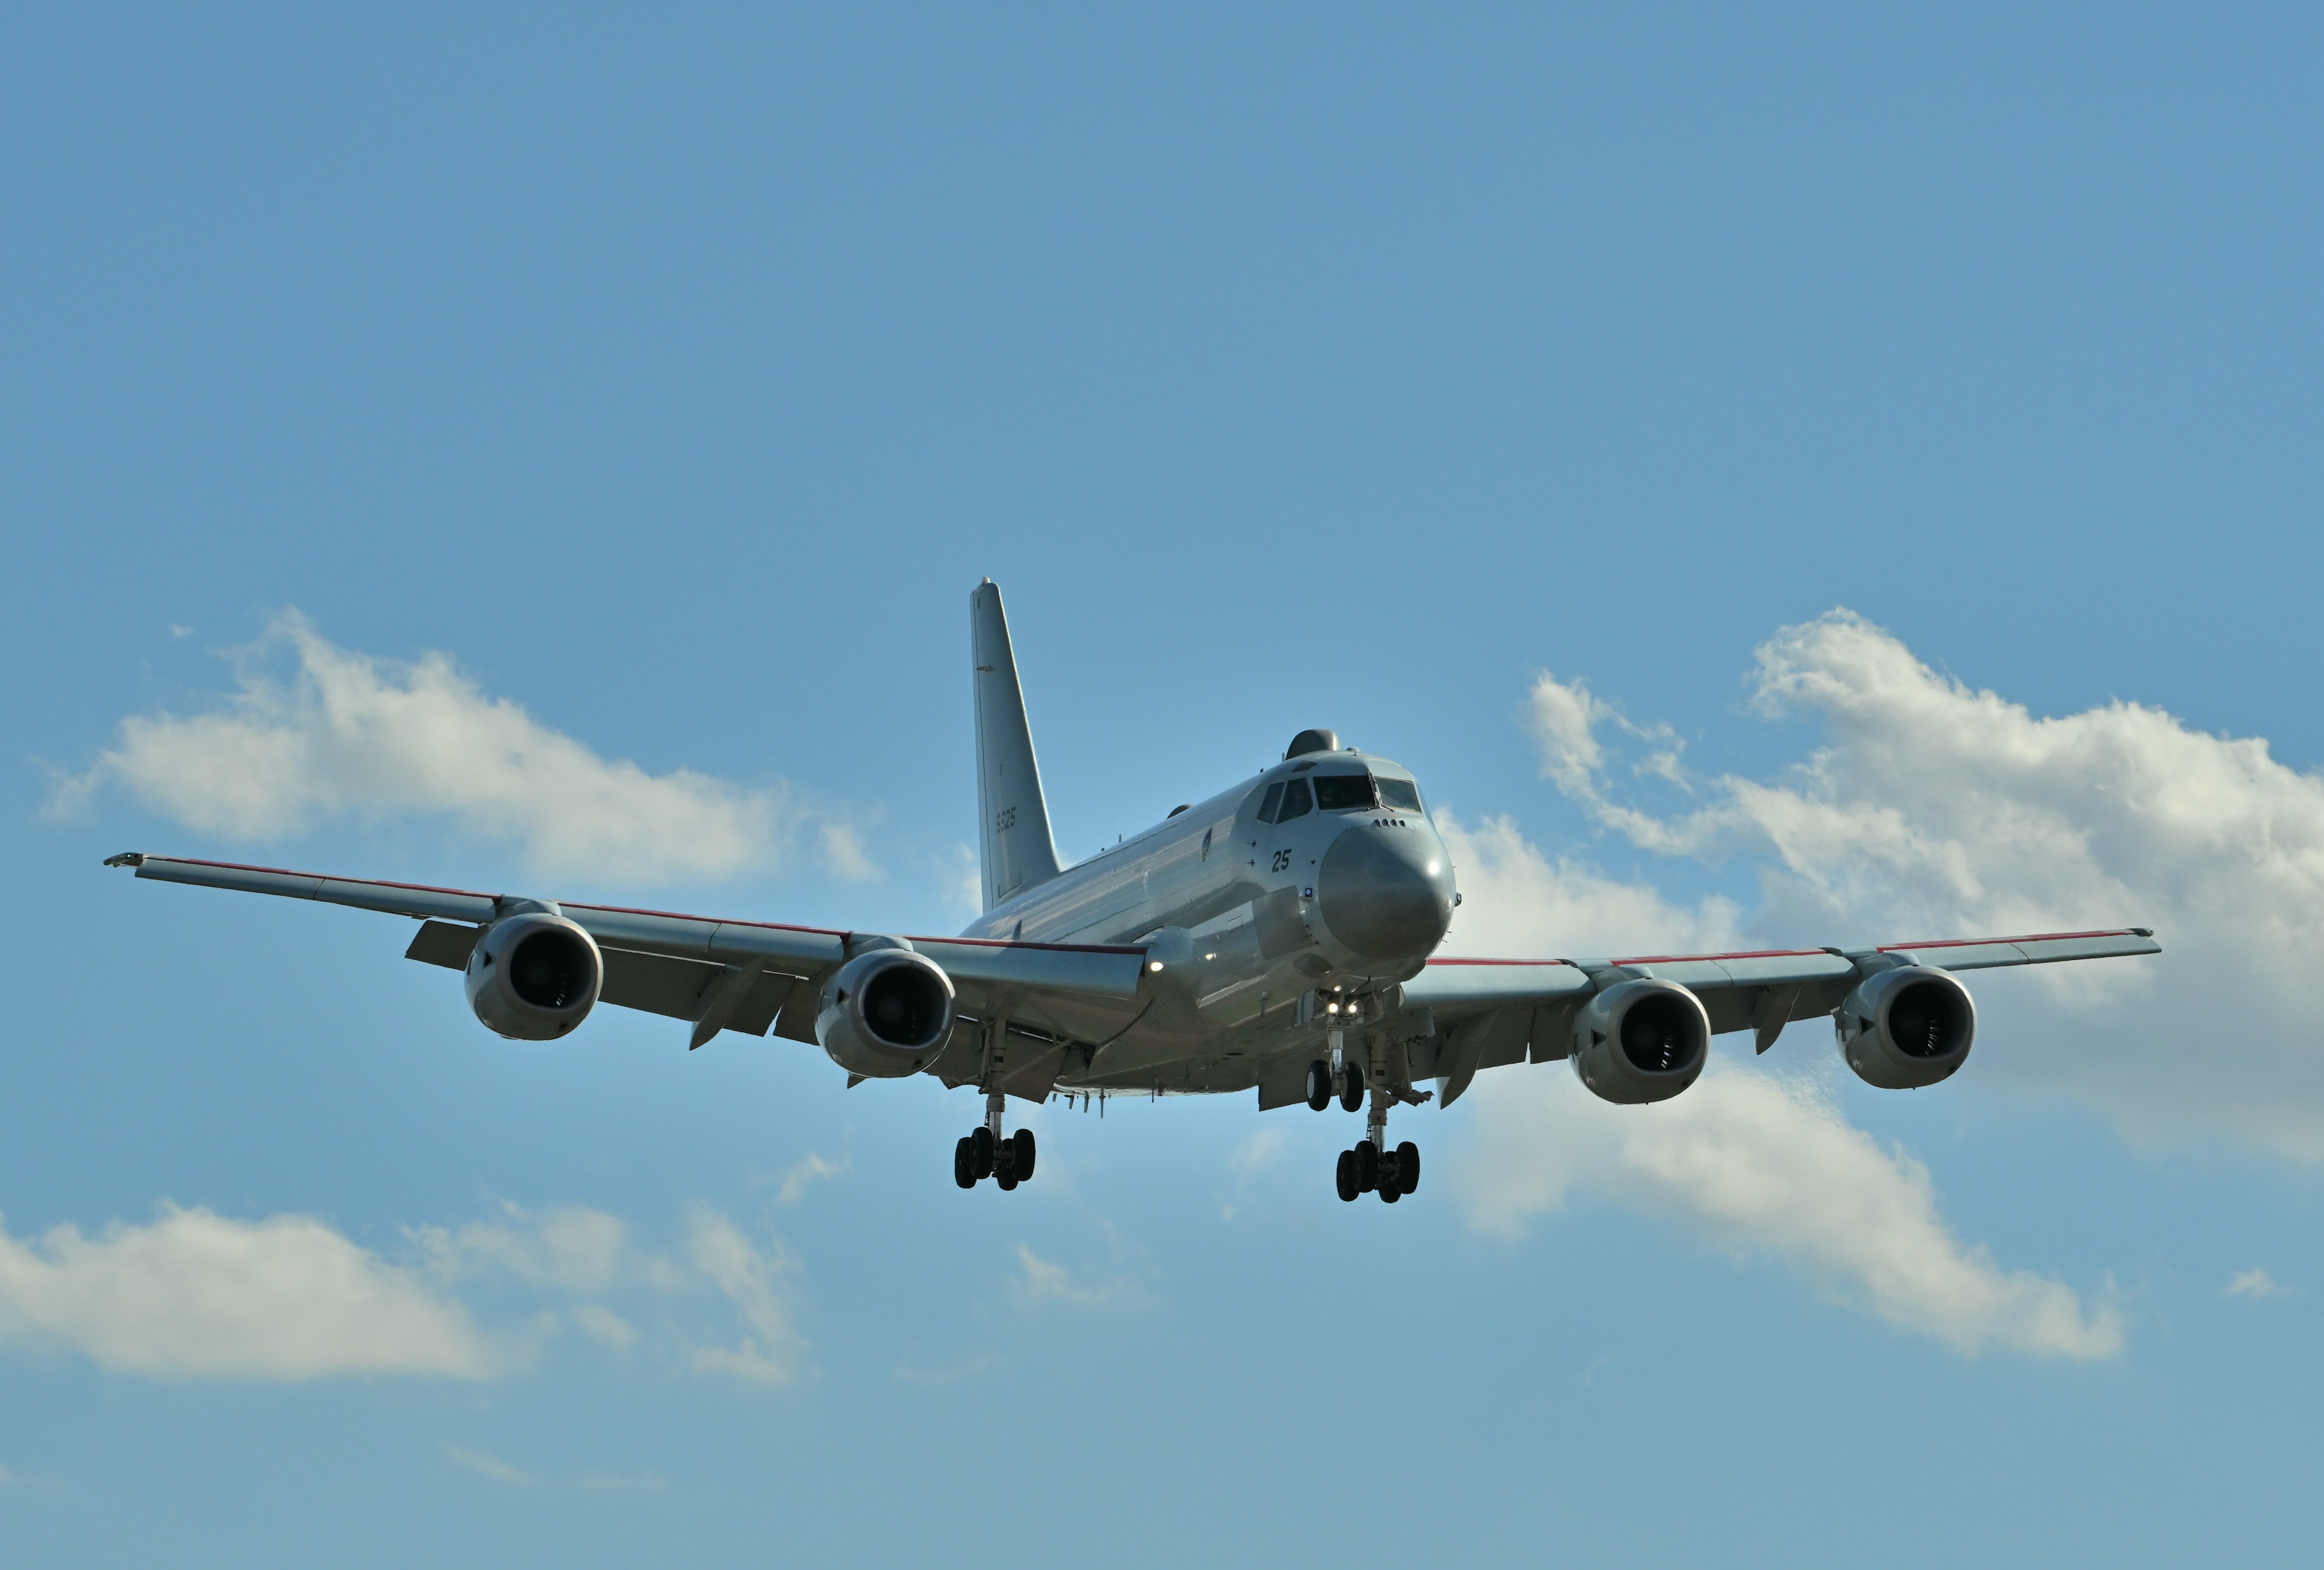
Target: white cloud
1933	809
2254	1283
484	1464
348	734
601	1324
199	1296
771	1350
1518	902
961	880
813	1169
1762	1166
1041	1281
569	1247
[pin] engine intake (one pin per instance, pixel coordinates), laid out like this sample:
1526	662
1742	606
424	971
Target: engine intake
1907	1028
533	977
886	1013
1640	1041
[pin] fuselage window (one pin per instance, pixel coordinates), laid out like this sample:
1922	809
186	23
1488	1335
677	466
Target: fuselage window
1296	802
1345	792
1401	794
1274	800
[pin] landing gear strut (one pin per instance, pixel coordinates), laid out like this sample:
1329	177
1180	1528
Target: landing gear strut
1371	1168
986	1154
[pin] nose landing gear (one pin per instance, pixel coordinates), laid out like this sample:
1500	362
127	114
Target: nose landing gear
986	1154
1323	1082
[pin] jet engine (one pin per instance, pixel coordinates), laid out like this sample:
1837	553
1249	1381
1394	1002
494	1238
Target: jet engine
533	977
1640	1041
1905	1028
886	1013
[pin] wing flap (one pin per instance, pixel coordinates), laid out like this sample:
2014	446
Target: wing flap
443	943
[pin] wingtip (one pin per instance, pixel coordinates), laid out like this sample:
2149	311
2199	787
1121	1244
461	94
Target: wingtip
126	859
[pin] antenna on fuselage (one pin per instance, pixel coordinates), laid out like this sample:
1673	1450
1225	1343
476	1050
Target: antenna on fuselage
1013	835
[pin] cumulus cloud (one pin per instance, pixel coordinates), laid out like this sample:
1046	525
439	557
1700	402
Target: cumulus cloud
771	1350
2254	1283
1042	1281
484	1464
569	1247
808	1171
1762	1166
1934	809
199	1296
347	734
1518	902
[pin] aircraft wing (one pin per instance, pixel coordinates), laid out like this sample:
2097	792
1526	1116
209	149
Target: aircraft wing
676	966
1491	1012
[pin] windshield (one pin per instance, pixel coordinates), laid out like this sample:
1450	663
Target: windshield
1345	792
1401	794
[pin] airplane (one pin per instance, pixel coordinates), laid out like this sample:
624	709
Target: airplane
1279	937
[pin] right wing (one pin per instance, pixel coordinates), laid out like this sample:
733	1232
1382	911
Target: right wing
683	966
1493	1011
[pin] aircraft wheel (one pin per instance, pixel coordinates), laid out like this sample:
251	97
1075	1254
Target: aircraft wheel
963	1163
1004	1166
1367	1155
1389	1193
1349	1187
1319	1086
1407	1166
981	1142
1023	1163
1352	1088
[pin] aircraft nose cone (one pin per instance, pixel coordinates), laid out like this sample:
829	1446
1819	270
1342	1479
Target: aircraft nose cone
1386	893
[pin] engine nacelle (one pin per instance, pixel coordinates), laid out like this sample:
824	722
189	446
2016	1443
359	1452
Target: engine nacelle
533	977
886	1013
1640	1041
1905	1028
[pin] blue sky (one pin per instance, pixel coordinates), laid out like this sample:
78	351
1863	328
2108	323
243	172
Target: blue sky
428	441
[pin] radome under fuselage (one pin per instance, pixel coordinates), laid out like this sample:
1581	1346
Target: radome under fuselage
1251	920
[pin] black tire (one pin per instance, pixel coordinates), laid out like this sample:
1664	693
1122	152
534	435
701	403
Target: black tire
1004	1166
1349	1188
1023	1166
1352	1088
1006	1180
1407	1166
981	1142
963	1163
1389	1193
1319	1086
1367	1155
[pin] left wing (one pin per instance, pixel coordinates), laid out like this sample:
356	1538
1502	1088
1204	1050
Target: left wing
747	976
1491	1012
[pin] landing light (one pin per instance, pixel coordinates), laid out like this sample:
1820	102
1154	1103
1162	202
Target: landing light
1154	965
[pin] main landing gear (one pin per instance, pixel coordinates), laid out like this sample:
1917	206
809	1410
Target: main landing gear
1371	1168
986	1154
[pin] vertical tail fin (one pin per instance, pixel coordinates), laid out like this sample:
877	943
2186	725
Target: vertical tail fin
1018	849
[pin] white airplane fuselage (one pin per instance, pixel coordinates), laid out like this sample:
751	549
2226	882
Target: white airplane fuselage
1261	931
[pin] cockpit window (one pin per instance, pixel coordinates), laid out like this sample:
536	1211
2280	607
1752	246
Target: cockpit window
1345	792
1273	800
1401	794
1296	802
